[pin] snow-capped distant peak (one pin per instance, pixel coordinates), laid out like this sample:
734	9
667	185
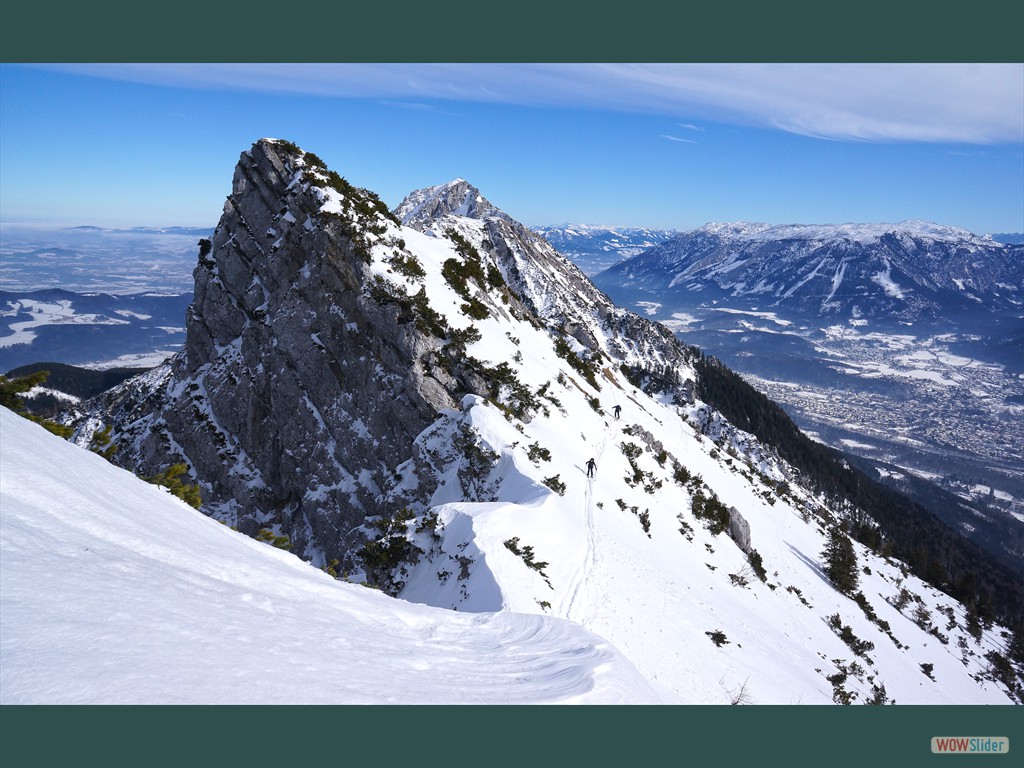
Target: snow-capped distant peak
860	233
456	198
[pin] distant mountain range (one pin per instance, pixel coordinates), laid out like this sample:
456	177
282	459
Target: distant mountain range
595	248
904	273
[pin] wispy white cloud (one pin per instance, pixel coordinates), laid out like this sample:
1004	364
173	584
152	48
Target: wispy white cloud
676	138
413	105
963	103
690	127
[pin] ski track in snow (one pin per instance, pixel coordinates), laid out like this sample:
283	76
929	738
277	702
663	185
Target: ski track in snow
582	577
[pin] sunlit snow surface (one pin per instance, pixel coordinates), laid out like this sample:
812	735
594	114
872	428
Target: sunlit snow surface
114	592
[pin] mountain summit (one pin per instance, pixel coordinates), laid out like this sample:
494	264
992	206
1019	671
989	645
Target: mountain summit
456	198
435	402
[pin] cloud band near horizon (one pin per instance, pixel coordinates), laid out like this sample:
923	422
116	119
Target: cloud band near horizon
933	103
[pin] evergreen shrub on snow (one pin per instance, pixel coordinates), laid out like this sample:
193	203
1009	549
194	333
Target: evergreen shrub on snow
388	551
170	479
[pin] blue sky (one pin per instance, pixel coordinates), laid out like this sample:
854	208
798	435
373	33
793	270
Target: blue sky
661	145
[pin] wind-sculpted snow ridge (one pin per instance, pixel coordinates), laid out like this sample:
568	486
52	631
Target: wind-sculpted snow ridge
115	592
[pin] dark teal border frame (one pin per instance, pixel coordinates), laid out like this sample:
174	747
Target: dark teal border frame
399	736
404	31
528	30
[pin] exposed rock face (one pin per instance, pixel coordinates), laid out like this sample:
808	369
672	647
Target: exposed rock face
296	395
739	530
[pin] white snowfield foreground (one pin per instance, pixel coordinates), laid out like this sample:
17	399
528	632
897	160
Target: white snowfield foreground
115	592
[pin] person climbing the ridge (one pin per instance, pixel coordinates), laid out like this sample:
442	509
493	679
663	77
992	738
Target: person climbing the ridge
591	466
618	410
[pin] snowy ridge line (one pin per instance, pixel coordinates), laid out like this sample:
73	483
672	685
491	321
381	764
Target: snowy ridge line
82	539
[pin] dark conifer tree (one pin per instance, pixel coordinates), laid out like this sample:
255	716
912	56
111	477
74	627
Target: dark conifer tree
973	622
170	479
841	562
103	444
11	389
1015	648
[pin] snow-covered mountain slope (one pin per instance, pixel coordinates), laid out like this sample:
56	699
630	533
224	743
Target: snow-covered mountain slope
594	248
419	396
115	592
624	555
898	272
625	547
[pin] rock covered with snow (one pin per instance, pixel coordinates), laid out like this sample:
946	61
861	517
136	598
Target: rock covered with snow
455	198
315	354
554	289
739	530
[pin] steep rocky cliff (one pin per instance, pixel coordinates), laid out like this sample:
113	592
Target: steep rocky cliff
296	393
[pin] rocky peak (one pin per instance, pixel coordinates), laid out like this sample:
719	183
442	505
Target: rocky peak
296	393
321	386
315	357
456	198
550	286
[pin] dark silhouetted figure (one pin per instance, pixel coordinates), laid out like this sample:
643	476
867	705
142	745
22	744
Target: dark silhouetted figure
591	466
617	409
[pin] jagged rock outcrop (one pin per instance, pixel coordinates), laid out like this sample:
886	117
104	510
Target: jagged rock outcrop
314	358
296	393
739	530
